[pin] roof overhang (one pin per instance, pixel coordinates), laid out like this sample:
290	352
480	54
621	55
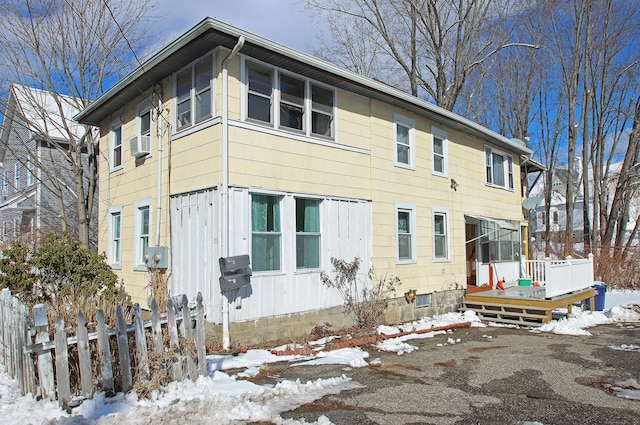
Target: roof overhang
502	224
211	33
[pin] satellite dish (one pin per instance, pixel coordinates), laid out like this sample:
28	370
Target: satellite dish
531	203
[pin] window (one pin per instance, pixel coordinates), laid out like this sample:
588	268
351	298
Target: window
321	111
115	236
16	176
556	217
260	86
499	168
144	122
5	183
439	148
30	167
307	233
498	243
116	148
423	300
142	232
543	218
194	94
265	233
16	226
291	102
404	141
293	97
440	238
405	233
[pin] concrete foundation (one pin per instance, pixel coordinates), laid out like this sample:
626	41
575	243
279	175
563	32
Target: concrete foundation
297	327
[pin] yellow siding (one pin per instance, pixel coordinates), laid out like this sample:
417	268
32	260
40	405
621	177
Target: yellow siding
358	164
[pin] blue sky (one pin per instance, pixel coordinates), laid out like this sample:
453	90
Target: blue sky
284	21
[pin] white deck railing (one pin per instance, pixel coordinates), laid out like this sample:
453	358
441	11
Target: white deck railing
560	276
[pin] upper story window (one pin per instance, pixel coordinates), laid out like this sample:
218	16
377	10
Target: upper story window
307	233
499	168
440	152
266	233
404	139
116	148
16	176
144	122
293	96
141	144
194	93
30	171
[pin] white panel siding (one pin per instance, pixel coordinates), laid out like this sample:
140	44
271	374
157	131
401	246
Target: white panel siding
346	233
194	249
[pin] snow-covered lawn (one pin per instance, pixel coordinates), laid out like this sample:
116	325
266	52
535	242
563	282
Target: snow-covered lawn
224	398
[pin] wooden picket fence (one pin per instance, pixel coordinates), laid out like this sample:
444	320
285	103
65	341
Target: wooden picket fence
42	366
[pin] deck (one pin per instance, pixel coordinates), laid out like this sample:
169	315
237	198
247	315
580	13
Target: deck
521	305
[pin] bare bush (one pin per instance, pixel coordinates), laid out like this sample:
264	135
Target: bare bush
363	303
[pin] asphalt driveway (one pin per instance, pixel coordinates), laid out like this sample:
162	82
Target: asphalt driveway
492	376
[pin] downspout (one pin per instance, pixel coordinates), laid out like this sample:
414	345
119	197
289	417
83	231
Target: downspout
158	90
226	341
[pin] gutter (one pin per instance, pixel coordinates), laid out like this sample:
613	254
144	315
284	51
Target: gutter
226	341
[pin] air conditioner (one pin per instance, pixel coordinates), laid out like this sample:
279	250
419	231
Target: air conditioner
140	146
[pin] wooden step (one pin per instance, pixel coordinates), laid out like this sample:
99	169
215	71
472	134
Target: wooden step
512	322
507	313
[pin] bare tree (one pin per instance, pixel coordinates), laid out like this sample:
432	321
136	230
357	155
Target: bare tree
435	43
73	49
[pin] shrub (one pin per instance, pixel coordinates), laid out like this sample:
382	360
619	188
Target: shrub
66	277
363	303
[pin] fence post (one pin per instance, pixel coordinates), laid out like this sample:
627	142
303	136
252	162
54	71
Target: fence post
105	354
84	357
141	343
123	350
62	364
27	371
591	276
174	343
156	328
200	338
45	360
187	335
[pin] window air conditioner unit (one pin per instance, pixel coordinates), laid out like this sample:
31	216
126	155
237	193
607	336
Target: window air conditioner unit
140	146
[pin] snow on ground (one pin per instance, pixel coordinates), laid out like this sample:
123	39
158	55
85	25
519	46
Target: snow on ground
223	398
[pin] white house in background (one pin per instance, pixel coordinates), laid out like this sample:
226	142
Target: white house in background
30	201
557	211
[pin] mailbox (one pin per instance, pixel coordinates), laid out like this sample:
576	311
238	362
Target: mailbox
236	272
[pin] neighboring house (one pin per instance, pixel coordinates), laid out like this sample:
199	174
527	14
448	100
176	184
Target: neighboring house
557	209
36	182
270	152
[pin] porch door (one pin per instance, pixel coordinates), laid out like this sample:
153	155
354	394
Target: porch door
471	231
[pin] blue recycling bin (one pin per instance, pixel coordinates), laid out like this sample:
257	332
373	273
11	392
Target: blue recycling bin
601	290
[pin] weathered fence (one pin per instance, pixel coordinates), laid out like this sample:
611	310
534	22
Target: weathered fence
180	343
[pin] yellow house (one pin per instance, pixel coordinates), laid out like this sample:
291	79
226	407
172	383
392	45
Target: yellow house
225	143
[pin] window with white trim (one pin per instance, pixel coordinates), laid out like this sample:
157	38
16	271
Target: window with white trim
16	227
405	218
115	237
423	300
404	141
31	178
439	148
307	233
142	232
440	235
499	168
194	93
293	96
144	121
5	183
116	148
266	233
16	176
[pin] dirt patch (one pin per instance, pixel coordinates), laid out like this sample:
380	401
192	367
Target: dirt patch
324	405
448	363
481	349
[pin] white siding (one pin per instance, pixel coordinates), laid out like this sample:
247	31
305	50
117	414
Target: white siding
194	249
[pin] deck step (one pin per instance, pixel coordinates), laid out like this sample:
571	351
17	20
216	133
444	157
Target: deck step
510	306
512	321
499	313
